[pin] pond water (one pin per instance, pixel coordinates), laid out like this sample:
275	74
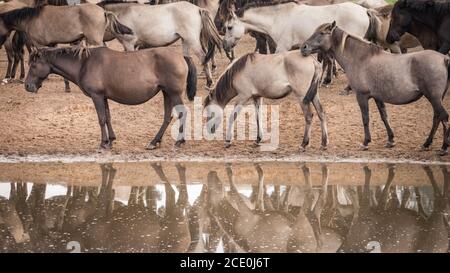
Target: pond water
220	207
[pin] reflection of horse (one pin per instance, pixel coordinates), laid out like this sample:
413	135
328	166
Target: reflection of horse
390	226
271	227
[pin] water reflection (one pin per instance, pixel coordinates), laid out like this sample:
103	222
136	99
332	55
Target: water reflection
311	215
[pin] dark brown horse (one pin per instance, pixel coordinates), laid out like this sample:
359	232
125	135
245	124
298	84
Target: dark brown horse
428	20
129	78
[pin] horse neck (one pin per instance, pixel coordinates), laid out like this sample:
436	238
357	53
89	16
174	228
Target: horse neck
67	66
427	37
351	52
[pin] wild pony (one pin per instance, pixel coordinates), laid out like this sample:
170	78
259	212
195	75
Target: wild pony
428	20
380	19
70	24
369	71
289	23
129	78
255	76
162	25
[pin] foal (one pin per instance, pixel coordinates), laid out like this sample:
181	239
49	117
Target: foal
274	76
129	78
370	69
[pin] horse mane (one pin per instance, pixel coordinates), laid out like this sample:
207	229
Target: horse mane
261	3
112	2
373	48
225	82
384	10
16	16
425	5
50	53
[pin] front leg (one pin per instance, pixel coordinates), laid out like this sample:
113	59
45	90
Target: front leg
99	102
382	109
231	120
363	102
257	103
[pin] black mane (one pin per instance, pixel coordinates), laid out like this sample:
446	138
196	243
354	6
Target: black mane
50	53
14	17
437	6
112	2
264	3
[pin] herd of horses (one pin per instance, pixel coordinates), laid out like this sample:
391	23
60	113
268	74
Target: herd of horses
338	31
294	218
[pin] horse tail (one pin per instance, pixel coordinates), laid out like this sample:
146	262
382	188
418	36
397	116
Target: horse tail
191	83
371	33
314	86
209	35
113	24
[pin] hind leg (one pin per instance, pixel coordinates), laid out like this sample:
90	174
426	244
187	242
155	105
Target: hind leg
167	118
257	103
22	69
382	109
182	112
442	116
323	122
111	134
306	108
429	141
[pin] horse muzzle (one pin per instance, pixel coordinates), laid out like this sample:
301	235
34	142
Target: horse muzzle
392	38
228	46
306	50
32	88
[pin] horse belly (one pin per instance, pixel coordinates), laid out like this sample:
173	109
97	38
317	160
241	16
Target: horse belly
132	95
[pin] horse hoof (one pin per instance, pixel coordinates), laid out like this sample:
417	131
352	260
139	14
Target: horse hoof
364	147
390	144
151	146
227	144
443	152
256	144
179	143
425	148
301	149
323	147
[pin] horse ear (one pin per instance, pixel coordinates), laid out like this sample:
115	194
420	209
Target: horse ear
333	25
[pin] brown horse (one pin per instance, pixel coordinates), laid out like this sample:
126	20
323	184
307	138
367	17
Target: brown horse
129	78
68	24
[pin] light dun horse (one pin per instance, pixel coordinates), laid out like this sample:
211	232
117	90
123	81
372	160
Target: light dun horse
129	78
289	23
255	76
370	72
162	25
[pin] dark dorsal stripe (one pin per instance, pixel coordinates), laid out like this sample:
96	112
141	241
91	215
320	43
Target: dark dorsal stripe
264	3
112	2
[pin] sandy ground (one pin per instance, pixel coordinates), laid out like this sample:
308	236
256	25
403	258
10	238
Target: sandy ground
52	122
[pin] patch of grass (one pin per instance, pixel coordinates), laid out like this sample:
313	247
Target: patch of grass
391	1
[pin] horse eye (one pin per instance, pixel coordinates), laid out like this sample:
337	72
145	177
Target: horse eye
229	28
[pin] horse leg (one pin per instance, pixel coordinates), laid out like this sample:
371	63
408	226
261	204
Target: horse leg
306	108
382	109
99	102
111	134
8	69
22	69
14	68
323	122
363	102
259	205
178	103
257	103
429	141
231	120
442	116
66	86
167	118
328	67
446	135
202	56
